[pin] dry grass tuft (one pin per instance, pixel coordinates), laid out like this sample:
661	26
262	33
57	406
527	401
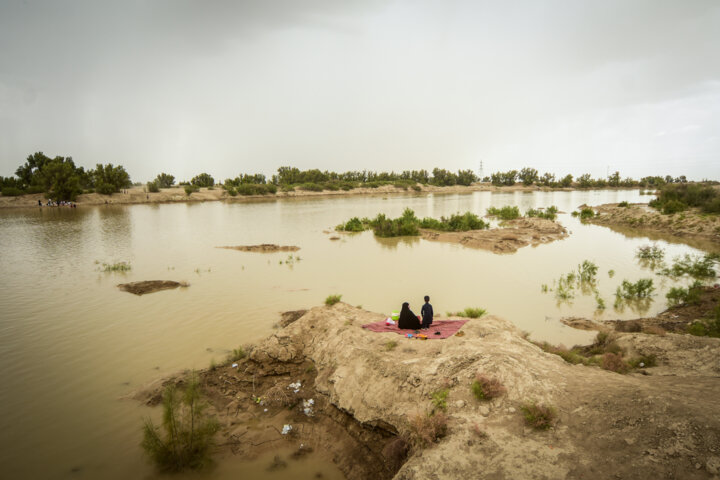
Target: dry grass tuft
614	362
539	416
424	430
487	388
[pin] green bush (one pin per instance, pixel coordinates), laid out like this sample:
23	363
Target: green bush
332	299
688	296
456	223
11	192
504	213
353	225
405	225
707	327
486	388
255	189
623	204
585	213
187	430
676	197
311	187
153	187
189	189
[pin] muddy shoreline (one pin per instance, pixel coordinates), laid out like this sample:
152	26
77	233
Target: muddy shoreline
662	424
138	195
691	227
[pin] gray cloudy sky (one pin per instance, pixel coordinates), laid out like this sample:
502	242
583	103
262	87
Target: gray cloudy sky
225	87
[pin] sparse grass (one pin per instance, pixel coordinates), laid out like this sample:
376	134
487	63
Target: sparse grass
391	345
213	365
332	299
643	361
116	267
615	363
486	388
424	430
188	431
539	416
236	354
469	312
439	399
504	213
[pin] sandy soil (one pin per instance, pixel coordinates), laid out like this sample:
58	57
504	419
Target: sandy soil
150	286
663	424
137	195
517	234
692	227
264	248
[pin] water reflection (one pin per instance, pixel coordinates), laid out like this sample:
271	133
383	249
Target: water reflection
393	243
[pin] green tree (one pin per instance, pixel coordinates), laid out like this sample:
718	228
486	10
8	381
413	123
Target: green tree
528	176
466	177
164	180
61	180
585	180
547	179
203	180
614	179
108	179
443	178
566	181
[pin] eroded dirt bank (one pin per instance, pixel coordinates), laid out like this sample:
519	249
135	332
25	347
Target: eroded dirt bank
690	225
364	392
517	233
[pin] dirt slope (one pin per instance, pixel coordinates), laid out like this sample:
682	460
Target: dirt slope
664	424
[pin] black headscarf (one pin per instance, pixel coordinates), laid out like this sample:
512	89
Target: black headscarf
408	319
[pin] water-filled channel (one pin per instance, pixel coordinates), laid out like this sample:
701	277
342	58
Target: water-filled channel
72	345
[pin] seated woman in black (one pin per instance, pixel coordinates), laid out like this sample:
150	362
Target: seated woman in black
408	319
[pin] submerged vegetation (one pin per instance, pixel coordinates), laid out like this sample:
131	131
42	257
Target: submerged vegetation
187	431
409	225
504	213
549	213
694	266
116	267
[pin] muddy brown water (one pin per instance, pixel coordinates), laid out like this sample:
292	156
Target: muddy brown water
72	344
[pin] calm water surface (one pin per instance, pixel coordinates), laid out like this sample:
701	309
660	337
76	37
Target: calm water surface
72	344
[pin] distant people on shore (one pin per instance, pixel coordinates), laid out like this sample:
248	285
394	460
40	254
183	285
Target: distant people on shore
59	203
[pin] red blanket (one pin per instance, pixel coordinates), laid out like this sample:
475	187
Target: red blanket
446	328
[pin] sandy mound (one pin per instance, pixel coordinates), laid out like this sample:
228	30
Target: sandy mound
517	234
609	425
150	286
691	227
264	248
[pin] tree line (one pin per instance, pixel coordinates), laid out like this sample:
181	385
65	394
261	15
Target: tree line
59	178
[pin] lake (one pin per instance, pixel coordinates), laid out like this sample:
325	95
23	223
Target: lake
72	345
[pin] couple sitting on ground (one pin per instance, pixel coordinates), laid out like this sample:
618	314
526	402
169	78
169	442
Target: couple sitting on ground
408	320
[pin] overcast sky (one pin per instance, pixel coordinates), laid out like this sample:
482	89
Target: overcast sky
225	87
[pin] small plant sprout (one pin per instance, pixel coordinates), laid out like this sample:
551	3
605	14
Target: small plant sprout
469	312
439	399
389	346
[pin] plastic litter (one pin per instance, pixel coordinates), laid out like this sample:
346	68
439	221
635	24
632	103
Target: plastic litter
286	429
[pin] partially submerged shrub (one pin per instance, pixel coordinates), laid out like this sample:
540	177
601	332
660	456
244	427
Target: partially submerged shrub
695	266
643	288
504	213
650	252
486	388
424	430
539	416
116	267
550	213
455	223
187	430
353	225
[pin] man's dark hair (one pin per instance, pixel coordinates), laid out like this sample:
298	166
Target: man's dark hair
427	299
